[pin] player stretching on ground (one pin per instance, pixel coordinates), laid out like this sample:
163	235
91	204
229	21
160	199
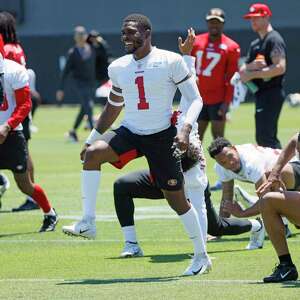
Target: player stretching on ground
145	81
15	105
247	162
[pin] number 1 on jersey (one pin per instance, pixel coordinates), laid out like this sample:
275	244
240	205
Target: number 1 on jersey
143	104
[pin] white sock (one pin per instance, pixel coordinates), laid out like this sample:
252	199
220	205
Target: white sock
51	212
129	234
196	196
256	225
192	227
90	181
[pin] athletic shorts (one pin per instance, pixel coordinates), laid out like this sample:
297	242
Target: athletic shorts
13	152
210	112
296	168
157	149
26	128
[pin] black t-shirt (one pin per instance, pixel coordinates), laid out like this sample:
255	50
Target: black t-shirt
272	44
81	63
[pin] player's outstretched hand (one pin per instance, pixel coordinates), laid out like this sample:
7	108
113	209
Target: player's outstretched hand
233	208
4	130
82	153
186	47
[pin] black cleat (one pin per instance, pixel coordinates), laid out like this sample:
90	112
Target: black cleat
27	205
282	272
49	223
72	135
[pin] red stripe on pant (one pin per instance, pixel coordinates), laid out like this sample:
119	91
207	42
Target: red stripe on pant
40	198
125	158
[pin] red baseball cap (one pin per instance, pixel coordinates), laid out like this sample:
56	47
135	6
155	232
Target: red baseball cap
258	10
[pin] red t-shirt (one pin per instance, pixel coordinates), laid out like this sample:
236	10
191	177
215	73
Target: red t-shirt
16	53
216	62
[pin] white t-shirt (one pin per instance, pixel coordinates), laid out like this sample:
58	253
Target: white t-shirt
148	88
15	77
255	162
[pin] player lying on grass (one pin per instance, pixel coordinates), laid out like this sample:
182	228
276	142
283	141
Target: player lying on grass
277	200
247	162
145	80
15	105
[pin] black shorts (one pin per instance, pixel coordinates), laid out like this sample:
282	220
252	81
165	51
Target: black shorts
26	128
157	148
296	168
210	112
13	153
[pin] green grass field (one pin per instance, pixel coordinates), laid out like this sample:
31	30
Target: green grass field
55	266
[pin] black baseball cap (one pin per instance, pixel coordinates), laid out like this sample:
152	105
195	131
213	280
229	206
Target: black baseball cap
216	13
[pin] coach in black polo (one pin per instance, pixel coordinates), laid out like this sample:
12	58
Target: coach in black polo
265	66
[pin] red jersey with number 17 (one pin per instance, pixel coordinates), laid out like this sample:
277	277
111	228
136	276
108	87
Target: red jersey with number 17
216	62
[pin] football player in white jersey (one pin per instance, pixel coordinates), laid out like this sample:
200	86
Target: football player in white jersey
145	81
276	201
139	184
15	105
248	163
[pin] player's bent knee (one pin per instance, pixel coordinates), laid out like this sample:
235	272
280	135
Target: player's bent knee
120	185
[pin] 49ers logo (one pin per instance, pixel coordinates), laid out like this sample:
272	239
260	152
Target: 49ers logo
4	104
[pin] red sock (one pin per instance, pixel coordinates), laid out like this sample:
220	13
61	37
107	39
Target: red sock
41	199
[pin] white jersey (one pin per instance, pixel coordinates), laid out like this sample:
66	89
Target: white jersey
255	162
15	77
148	87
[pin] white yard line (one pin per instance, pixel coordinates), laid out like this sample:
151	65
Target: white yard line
78	240
199	280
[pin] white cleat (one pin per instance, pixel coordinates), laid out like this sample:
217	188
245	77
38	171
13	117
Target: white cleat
131	250
242	196
83	228
257	239
200	264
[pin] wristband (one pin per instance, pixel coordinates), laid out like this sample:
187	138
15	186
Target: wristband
113	103
93	137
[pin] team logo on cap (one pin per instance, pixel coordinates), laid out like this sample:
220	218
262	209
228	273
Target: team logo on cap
172	182
252	9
